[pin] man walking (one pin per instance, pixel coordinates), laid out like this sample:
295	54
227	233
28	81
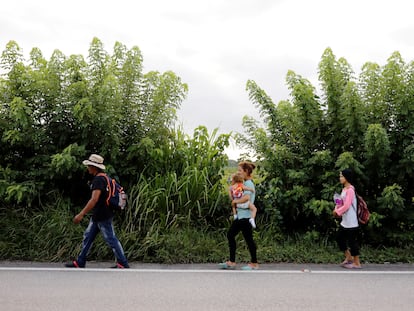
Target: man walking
102	215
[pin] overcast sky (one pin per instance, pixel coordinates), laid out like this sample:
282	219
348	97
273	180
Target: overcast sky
216	46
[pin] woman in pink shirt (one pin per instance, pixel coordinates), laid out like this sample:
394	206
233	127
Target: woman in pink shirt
349	228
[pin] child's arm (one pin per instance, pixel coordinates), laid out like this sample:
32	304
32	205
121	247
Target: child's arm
243	199
245	188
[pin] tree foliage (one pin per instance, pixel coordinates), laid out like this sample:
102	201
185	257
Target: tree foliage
365	123
55	112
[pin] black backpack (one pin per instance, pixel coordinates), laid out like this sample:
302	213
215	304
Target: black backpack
117	198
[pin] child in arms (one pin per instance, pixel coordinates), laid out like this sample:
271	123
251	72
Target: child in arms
236	191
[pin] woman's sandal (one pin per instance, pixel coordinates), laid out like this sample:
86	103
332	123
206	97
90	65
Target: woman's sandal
250	266
346	262
352	266
227	265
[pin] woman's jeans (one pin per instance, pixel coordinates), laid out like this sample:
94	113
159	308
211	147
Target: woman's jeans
245	227
107	229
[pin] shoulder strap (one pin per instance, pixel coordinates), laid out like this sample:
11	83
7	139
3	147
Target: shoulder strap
109	186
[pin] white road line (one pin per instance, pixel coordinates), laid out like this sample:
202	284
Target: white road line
202	271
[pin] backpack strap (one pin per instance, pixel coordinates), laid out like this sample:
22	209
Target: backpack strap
109	186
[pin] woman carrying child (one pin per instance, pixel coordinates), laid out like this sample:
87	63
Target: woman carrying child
236	191
242	223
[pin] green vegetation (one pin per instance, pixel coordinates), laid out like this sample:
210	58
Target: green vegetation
365	123
54	113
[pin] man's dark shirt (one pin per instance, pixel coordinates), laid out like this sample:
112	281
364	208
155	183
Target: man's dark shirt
101	211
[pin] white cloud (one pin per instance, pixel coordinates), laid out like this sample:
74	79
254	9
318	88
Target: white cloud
216	46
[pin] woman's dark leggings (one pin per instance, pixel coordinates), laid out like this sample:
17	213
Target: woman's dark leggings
348	237
245	227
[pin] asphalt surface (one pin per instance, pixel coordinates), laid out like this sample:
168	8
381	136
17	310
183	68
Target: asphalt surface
263	267
49	286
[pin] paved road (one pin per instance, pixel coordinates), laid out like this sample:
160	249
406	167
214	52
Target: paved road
46	287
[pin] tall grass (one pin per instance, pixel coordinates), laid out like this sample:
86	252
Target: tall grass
50	235
168	204
45	234
173	201
170	219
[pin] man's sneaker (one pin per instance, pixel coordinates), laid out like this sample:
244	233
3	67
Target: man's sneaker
119	266
73	264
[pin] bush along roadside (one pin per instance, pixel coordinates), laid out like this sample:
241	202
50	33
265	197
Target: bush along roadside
49	235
